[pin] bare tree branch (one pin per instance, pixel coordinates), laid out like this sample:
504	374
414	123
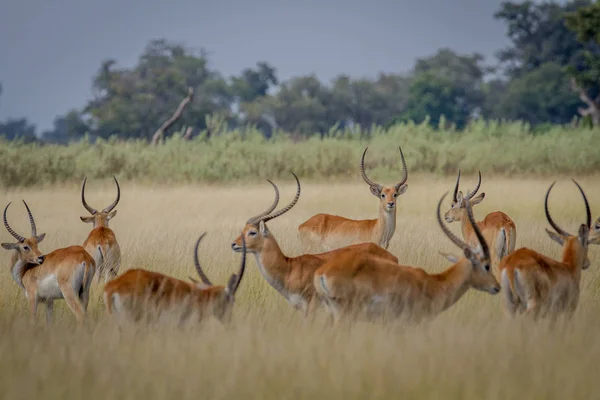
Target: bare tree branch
188	133
593	108
176	115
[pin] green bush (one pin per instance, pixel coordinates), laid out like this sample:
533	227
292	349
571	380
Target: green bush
245	155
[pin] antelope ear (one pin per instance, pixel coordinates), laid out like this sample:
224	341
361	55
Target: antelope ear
450	257
262	227
402	189
40	237
111	214
583	235
9	246
87	219
477	199
555	236
470	255
375	190
459	197
230	284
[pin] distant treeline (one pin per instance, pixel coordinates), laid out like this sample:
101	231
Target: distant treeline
550	74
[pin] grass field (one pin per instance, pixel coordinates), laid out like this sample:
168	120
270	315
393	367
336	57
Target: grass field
472	351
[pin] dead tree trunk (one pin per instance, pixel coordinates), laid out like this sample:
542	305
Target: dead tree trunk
188	133
593	106
160	132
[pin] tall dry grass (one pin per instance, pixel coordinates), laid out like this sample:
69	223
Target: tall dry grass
472	351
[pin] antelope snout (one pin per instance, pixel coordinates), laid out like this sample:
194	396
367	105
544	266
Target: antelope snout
235	247
40	259
391	205
495	290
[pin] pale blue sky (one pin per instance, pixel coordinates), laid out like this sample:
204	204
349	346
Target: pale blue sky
49	50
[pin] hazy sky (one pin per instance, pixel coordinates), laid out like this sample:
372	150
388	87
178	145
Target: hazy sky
49	50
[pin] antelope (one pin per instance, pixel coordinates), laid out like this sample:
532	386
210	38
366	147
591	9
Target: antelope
292	277
333	231
64	273
497	227
101	242
363	284
139	292
536	285
596	230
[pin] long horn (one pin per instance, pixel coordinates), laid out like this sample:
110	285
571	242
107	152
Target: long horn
114	203
256	218
31	220
364	174
9	229
557	228
455	194
286	208
85	204
447	231
201	273
404	171
242	266
588	213
474	192
482	242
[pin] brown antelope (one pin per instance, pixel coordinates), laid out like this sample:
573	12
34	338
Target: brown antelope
595	233
497	227
536	285
362	284
101	242
141	293
292	277
332	231
64	273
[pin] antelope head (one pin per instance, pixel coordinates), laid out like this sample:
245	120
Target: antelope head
256	232
223	306
100	218
27	248
576	245
482	277
386	195
459	202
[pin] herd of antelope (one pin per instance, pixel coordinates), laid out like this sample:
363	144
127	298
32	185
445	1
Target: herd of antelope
356	276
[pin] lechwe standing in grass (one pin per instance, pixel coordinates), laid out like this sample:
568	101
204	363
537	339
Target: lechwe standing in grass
292	277
360	284
497	227
139	293
101	242
332	231
540	286
64	273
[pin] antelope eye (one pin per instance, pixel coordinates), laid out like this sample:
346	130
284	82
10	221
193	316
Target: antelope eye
487	267
26	248
252	233
383	195
395	195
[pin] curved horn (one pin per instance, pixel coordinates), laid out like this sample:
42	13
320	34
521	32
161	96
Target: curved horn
85	204
404	171
480	238
242	266
455	194
114	203
364	174
256	218
447	231
286	208
201	273
588	213
470	195
557	228
31	220
9	229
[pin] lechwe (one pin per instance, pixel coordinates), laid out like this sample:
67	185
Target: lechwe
497	227
139	293
101	242
332	231
360	284
64	273
292	277
539	286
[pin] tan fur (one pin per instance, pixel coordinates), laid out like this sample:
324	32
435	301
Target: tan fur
332	231
149	295
491	227
539	286
101	243
64	273
364	284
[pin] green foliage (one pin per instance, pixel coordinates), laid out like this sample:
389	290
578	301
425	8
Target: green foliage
246	155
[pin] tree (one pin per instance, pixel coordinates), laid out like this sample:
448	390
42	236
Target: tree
66	128
585	23
18	129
